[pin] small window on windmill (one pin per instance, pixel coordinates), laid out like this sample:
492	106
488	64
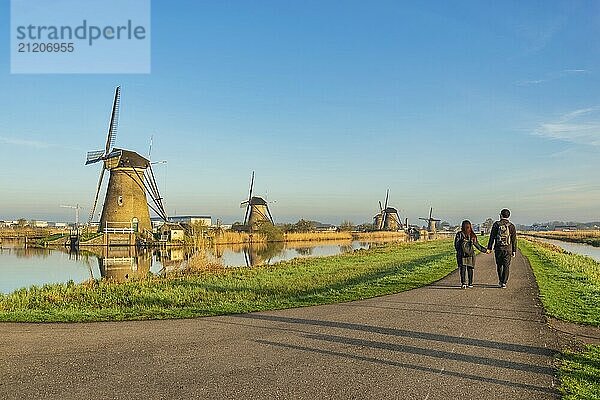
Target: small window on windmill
120	200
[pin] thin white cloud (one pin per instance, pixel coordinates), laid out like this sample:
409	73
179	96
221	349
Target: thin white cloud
577	113
580	126
553	76
24	142
531	82
576	188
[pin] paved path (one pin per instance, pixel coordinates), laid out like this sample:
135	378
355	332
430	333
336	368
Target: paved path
437	342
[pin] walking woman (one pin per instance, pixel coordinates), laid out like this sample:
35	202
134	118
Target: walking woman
465	243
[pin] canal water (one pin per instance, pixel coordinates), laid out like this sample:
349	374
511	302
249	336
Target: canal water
576	248
22	267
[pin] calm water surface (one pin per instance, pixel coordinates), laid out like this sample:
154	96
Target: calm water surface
23	267
576	248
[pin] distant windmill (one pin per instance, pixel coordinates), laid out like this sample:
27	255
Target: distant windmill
131	177
431	222
388	218
257	209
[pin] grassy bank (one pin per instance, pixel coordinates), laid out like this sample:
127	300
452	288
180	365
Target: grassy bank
570	290
586	237
300	282
569	283
580	374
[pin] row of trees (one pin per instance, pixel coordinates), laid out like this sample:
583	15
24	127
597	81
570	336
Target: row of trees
307	226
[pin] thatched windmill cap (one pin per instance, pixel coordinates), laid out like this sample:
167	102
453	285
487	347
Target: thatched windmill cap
257	201
127	158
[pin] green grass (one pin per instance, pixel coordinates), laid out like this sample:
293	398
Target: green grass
569	283
570	290
51	238
580	374
295	283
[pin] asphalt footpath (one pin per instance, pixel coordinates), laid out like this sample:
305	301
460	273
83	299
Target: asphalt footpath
436	342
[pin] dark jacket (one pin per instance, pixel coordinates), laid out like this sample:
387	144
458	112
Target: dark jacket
466	258
494	234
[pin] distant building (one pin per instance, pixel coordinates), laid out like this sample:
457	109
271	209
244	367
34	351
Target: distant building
171	232
538	227
156	223
205	220
321	227
39	224
565	228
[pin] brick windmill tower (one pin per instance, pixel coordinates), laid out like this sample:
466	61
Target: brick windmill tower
130	178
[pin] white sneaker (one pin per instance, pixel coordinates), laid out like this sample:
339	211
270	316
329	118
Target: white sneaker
463	287
471	286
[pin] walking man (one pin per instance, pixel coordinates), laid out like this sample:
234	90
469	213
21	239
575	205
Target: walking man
503	239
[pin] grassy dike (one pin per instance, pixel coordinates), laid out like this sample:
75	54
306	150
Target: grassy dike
570	290
569	283
295	283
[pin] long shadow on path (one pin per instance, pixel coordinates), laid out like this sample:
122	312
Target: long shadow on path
406	333
411	367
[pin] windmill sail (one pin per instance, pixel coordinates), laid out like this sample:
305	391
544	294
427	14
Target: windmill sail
114	121
94	156
93	209
249	201
100	155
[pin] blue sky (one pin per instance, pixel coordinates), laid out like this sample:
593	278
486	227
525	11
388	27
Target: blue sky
468	107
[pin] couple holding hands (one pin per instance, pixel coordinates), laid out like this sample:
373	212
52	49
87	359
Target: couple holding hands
503	239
